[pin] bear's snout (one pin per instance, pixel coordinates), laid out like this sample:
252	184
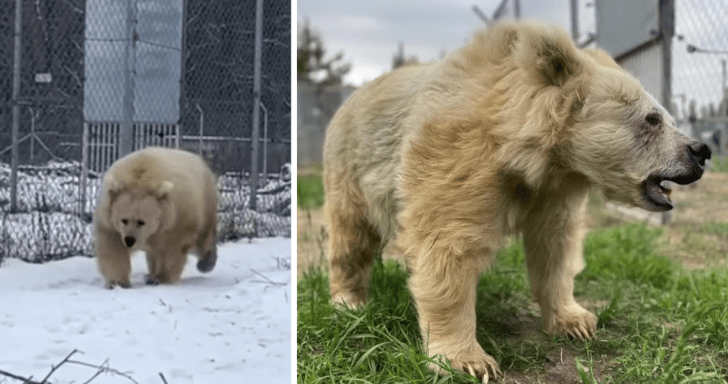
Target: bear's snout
129	241
700	151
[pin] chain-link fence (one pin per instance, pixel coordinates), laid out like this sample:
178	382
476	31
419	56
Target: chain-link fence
87	81
699	74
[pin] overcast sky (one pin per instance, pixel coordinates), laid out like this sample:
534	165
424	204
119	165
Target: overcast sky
368	32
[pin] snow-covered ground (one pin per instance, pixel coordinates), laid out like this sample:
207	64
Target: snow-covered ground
232	325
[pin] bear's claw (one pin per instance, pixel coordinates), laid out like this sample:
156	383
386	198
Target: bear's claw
578	323
481	365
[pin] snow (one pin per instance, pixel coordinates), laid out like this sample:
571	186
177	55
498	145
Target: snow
229	326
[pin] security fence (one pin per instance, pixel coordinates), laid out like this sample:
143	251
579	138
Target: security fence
86	81
699	75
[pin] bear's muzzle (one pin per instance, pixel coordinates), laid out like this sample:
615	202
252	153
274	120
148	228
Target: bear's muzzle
129	241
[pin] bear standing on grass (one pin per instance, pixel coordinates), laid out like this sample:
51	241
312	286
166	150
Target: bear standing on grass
159	200
505	136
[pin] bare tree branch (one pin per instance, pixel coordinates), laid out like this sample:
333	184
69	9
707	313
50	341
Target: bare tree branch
53	368
103	368
19	378
269	281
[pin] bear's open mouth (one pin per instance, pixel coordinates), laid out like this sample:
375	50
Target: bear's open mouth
657	195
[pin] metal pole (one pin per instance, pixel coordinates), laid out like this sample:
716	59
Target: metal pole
667	31
182	74
265	139
84	168
202	124
725	74
14	159
126	136
575	19
256	102
32	133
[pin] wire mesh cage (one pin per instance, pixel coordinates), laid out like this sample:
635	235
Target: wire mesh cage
700	77
84	82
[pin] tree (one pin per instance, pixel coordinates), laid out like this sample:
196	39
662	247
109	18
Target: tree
312	66
400	59
316	70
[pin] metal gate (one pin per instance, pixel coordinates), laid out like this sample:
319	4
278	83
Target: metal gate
101	141
101	148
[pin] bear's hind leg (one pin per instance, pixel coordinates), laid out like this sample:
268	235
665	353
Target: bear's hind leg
207	250
553	244
353	242
112	258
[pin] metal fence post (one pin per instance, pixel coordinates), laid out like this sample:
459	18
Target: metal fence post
15	156
256	103
126	136
265	140
84	168
575	20
182	80
667	30
201	128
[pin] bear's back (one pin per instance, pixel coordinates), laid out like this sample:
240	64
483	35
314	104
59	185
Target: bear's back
160	164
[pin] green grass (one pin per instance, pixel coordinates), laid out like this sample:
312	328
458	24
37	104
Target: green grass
310	191
720	229
658	323
720	164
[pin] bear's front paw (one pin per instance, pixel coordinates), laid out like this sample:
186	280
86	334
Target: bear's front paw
576	322
348	300
122	284
152	280
475	362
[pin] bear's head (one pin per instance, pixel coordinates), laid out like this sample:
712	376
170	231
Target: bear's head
628	144
584	117
137	213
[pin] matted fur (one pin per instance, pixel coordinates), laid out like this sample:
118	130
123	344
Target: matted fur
159	200
504	136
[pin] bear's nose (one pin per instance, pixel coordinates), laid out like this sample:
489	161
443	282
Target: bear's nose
129	241
700	151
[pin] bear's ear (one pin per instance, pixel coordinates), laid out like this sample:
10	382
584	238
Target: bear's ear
549	54
113	186
164	189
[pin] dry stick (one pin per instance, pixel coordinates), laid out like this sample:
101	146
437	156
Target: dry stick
53	368
266	278
98	372
45	380
19	378
104	369
163	379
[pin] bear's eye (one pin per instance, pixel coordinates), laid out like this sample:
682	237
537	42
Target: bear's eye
140	222
125	221
653	119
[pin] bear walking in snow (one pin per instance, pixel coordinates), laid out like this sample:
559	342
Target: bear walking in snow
159	200
504	136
